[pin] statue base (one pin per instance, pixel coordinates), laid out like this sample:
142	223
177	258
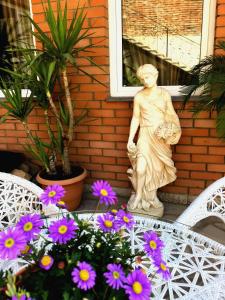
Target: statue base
151	211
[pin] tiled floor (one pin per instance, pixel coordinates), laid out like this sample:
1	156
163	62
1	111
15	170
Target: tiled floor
211	227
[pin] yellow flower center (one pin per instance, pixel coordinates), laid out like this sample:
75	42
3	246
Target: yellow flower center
126	219
84	275
46	260
114	211
103	192
137	287
63	229
28	226
153	245
108	223
9	243
116	274
52	194
163	267
61	202
25	250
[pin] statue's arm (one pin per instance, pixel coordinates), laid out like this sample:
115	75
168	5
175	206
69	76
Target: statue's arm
135	121
170	111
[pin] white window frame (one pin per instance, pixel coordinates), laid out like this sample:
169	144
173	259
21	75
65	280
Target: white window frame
115	46
24	92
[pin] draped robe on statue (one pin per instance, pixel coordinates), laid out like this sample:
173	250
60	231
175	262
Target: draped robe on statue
158	116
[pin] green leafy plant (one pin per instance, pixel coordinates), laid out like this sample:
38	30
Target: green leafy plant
208	83
44	70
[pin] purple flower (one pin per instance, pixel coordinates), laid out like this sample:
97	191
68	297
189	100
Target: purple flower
61	204
12	241
107	223
162	269
138	286
30	225
21	297
115	277
46	262
125	219
153	244
103	190
84	276
52	194
62	230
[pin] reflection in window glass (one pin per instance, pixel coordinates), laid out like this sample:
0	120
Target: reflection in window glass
165	33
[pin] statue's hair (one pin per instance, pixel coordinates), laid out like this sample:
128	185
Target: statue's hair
147	68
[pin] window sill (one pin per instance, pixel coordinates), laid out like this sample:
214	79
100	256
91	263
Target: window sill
25	93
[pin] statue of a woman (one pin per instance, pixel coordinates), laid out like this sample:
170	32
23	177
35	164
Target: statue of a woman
152	166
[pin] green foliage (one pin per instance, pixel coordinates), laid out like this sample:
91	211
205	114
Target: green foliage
208	82
43	69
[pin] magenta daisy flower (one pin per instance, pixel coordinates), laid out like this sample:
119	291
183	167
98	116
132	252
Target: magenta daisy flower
46	262
162	269
138	286
153	244
62	230
104	191
84	276
12	241
30	225
125	219
52	194
21	297
61	204
107	223
115	277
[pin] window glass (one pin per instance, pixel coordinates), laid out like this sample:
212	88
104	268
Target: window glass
14	30
172	35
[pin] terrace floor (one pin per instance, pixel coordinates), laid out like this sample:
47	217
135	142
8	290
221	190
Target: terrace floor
211	227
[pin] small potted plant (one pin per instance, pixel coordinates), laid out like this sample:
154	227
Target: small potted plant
44	71
208	84
70	257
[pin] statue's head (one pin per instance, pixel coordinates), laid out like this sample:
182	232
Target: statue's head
148	75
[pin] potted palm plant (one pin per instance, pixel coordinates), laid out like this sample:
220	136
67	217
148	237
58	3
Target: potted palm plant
208	82
44	72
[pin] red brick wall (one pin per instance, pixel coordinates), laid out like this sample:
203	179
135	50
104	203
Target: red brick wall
100	144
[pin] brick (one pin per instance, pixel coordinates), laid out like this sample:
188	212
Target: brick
99	22
89	151
116	169
121	176
121	184
124	113
205	123
102	129
208	158
106	113
8	140
190	183
186	123
191	149
194	191
98	2
114	153
217	150
123	130
103	145
221	9
216	167
220	21
103	160
206	175
115	137
116	121
190	166
175	189
220	31
207	141
93	167
195	132
80	144
185	140
103	175
181	157
94	12
92	87
115	105
89	136
123	161
183	174
122	146
81	128
80	158
9	126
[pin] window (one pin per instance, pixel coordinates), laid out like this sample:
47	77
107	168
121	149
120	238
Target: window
14	30
173	35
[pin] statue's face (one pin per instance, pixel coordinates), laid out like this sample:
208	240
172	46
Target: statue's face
149	79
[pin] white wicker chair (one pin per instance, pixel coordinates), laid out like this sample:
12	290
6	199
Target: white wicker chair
19	196
211	202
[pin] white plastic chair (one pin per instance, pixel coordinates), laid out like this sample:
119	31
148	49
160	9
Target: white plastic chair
211	202
18	197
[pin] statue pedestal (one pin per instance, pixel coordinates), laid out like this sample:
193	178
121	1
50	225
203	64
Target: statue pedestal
151	211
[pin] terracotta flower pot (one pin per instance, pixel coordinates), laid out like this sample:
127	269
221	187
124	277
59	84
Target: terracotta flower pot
73	187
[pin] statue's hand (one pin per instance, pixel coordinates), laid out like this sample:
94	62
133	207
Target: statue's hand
131	147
